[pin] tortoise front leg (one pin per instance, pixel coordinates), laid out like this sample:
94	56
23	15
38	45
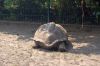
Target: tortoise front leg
37	45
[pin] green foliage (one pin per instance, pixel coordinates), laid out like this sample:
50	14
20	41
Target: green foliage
60	10
10	4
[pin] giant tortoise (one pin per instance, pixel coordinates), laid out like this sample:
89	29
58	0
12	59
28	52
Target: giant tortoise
52	36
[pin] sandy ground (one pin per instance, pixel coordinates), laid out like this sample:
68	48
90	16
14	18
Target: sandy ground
16	48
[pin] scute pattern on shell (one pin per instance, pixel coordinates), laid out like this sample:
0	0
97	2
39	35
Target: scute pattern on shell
49	34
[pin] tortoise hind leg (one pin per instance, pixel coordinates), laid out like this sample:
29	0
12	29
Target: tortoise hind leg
69	45
62	47
65	46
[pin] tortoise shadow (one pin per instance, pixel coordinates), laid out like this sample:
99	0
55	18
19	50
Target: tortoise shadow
88	43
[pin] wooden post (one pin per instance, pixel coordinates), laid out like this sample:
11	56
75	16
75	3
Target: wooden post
48	10
83	6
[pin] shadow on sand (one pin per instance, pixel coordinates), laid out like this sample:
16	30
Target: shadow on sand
86	42
23	31
89	41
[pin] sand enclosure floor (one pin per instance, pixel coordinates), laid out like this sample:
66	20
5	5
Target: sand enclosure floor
16	48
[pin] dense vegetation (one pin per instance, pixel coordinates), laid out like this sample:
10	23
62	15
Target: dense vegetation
67	11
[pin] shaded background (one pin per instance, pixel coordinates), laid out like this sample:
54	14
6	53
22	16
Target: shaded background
61	11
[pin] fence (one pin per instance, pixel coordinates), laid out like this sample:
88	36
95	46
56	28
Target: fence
27	11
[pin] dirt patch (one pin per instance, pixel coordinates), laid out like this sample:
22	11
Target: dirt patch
16	42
